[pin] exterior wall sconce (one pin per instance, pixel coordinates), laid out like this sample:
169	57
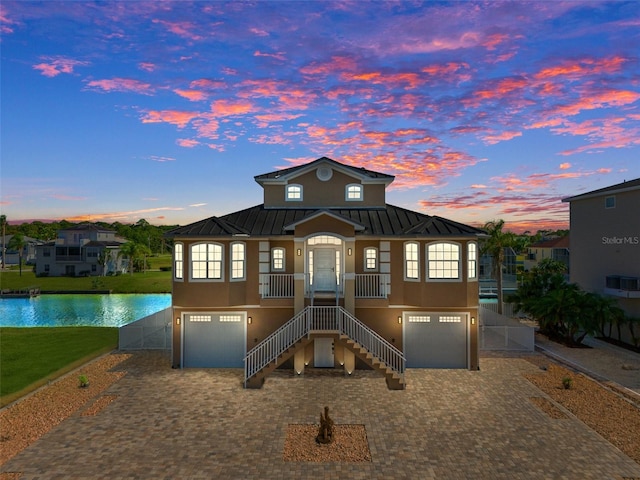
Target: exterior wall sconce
299	252
399	318
473	320
249	320
349	251
178	321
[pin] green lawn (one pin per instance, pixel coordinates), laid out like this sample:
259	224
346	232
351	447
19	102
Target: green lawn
29	357
149	282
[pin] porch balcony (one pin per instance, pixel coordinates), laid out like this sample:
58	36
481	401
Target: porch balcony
622	286
367	285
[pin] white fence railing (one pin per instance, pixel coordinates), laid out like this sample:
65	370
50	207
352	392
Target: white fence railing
276	285
321	319
372	285
149	333
500	332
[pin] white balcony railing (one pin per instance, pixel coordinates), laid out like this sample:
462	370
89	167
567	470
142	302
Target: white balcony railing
276	285
372	285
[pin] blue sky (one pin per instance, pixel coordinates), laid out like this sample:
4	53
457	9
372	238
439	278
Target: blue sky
117	111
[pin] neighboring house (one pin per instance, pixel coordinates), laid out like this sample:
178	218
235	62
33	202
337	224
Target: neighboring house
555	248
605	243
28	252
325	273
79	251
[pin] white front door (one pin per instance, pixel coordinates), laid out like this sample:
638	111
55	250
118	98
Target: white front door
323	352
324	269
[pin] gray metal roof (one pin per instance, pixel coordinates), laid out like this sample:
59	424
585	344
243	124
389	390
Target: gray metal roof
388	221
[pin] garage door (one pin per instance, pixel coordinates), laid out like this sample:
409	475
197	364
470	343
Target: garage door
214	340
435	340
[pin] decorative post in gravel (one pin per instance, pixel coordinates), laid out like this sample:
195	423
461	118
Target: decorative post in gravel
325	432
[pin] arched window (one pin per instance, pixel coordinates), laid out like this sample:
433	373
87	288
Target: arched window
411	261
294	193
238	261
443	261
370	259
277	260
206	261
354	192
178	261
472	260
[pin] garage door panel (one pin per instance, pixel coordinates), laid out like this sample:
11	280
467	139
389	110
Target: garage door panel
214	341
436	340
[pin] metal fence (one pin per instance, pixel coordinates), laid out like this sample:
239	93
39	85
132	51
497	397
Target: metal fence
501	332
148	333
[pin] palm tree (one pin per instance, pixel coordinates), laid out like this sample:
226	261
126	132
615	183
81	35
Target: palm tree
3	221
18	243
494	245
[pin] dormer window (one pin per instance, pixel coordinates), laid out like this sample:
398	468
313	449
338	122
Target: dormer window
294	193
354	193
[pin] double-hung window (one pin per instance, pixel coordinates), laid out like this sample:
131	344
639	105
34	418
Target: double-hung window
178	259
294	193
354	192
443	261
206	261
238	261
472	260
277	260
411	261
370	259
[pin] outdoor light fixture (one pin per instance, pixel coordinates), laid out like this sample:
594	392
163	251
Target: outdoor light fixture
178	321
299	251
399	318
249	319
473	320
349	251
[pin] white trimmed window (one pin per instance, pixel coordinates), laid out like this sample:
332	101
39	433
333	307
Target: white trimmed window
277	260
238	261
178	261
354	192
370	259
206	261
294	193
472	260
443	261
411	261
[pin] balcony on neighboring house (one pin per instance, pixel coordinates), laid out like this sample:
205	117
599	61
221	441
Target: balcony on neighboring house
622	286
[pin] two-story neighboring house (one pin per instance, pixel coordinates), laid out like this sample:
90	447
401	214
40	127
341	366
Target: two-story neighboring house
80	250
325	273
553	248
605	243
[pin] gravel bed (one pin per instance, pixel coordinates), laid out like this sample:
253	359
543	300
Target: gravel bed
349	444
609	414
25	421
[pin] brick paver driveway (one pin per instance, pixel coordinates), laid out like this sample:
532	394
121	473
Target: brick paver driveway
199	423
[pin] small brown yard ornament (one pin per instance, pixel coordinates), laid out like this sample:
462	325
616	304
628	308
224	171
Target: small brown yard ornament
325	432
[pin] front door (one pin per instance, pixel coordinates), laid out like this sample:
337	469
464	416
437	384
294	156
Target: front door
323	353
324	269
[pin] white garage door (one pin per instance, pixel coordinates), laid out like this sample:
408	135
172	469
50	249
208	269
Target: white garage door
214	340
435	340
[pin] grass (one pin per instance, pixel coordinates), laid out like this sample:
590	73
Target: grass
149	282
30	357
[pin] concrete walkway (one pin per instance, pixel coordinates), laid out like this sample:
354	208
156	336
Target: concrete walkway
604	361
201	424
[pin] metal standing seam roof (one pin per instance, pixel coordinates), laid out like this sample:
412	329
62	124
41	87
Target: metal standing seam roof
360	171
388	221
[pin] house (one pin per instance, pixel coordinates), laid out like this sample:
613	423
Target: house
325	273
553	248
84	249
605	243
13	256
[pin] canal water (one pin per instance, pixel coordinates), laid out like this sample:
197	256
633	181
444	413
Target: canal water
80	310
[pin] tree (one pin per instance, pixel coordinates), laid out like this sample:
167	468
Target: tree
494	245
3	221
136	253
103	260
18	243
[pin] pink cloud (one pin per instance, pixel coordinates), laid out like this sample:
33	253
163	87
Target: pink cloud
565	166
174	117
187	142
277	56
147	66
192	95
121	85
54	66
231	107
500	137
181	29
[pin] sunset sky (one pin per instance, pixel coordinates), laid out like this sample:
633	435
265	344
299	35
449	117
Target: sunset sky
117	111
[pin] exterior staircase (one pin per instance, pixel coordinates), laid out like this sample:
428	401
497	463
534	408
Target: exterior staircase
316	321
